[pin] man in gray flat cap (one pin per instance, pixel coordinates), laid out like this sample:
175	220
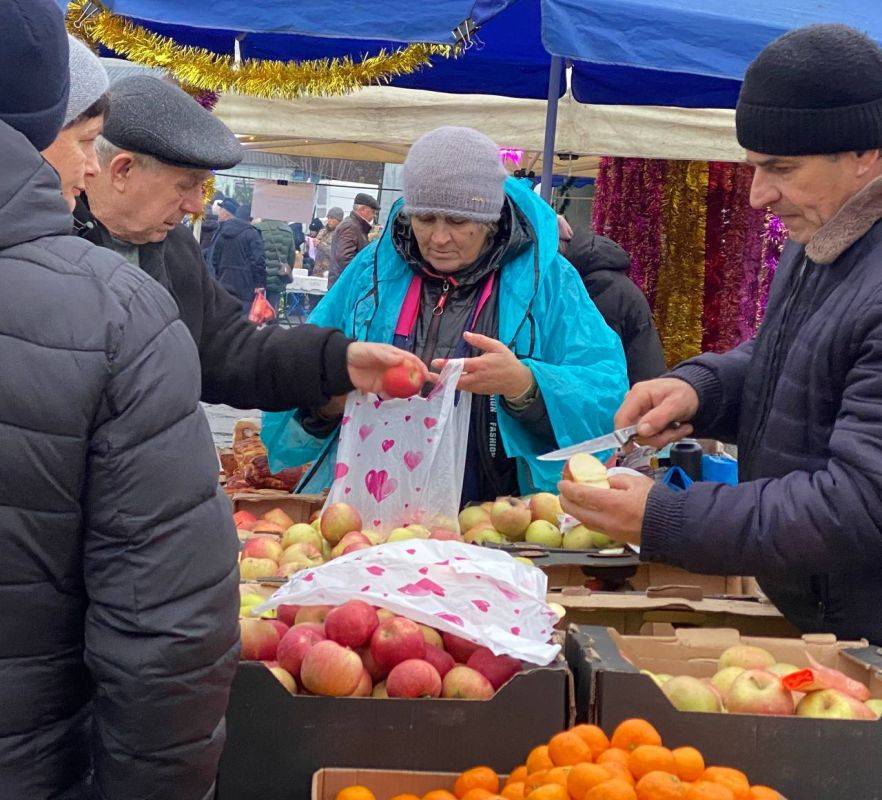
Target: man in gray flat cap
157	149
351	235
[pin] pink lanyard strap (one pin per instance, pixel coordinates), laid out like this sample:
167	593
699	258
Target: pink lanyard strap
410	309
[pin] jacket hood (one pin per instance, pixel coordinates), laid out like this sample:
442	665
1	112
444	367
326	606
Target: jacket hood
233	227
31	205
588	253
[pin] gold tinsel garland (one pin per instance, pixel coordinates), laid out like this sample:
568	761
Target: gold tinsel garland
200	69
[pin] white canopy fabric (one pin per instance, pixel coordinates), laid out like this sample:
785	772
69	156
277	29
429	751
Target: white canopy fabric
380	123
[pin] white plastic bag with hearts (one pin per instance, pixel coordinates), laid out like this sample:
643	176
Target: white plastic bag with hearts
401	461
482	595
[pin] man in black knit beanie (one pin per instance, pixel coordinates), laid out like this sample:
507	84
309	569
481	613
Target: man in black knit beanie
803	399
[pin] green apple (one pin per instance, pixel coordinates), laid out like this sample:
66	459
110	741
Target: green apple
400	535
875	706
578	538
543	533
301	532
472	516
725	678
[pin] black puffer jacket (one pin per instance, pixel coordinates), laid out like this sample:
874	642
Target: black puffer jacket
603	266
118	637
238	259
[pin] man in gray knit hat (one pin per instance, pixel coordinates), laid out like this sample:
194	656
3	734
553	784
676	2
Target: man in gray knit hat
158	147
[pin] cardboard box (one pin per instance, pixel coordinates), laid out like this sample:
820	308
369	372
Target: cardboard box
669	608
383	783
300	507
804	759
276	741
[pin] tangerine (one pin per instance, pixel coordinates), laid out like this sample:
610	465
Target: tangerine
539	759
660	785
550	791
478	794
439	794
594	737
733	779
614	754
476	778
631	733
535	780
514	791
614	789
568	748
584	777
617	770
689	763
355	793
650	758
763	793
517	775
406	797
705	790
558	775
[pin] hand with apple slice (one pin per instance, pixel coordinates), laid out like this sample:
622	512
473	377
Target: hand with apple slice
611	504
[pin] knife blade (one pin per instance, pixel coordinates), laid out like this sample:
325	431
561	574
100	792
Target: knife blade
617	438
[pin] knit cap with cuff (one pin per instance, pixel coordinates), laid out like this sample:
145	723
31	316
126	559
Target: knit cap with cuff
88	79
816	90
455	172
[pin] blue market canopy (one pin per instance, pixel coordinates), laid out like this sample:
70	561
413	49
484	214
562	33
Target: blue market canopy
689	53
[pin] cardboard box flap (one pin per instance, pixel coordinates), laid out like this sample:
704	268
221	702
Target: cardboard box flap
584	599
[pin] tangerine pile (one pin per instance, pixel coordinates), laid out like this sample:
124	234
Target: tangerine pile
584	764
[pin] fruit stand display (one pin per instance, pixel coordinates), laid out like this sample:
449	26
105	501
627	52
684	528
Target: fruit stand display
784	710
582	763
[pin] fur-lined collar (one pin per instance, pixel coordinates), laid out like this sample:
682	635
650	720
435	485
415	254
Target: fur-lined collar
847	225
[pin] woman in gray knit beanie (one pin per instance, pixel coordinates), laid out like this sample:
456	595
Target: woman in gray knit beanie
73	151
468	267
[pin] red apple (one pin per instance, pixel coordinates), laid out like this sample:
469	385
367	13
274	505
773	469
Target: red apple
312	614
413	678
294	646
287	613
331	670
465	683
262	547
460	649
442	661
365	685
405	380
397	640
351	624
496	669
259	640
338	520
756	691
355	547
280	626
243	518
370	665
352	537
252	569
511	516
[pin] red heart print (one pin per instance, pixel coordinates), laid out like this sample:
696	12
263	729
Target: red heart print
380	485
365	588
347	490
430	422
407	418
450	618
378	403
377	523
412	459
365	430
410	551
308	577
376	570
340	470
387	445
345	421
516	631
423	570
429	441
481	605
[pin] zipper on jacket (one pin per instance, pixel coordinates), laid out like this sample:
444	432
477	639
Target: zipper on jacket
773	370
435	325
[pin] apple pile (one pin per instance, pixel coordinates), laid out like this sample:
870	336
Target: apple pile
357	650
749	680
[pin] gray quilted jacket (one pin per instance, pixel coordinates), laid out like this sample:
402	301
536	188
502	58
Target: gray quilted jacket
118	636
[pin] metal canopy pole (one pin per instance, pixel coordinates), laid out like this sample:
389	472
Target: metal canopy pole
550	127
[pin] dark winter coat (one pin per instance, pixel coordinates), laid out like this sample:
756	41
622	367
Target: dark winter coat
238	260
118	581
272	368
603	266
278	246
804	402
350	237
